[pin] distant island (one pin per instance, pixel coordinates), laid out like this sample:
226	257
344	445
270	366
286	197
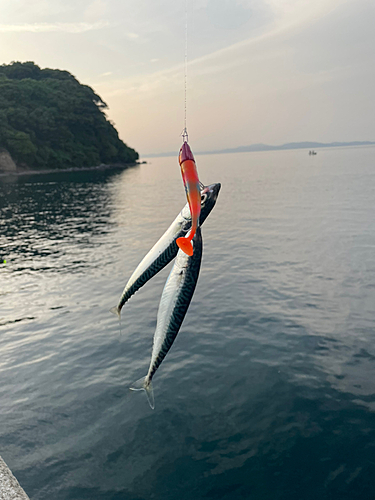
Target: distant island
49	121
266	147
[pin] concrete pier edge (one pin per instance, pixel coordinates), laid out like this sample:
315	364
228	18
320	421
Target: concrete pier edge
10	488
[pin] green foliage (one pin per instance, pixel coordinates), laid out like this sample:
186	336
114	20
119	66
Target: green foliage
49	120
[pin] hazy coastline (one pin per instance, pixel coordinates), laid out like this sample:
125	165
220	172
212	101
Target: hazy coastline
266	147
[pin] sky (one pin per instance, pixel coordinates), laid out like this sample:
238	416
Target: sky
259	71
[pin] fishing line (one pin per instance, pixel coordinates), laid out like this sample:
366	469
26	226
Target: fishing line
185	132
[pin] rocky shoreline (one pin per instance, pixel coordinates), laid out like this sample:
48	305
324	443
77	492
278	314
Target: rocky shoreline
19	171
7	163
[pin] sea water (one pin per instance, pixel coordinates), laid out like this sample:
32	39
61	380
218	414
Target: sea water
269	389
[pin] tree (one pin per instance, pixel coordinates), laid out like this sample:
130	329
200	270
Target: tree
49	120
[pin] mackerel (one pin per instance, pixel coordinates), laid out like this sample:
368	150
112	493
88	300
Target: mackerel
166	248
174	303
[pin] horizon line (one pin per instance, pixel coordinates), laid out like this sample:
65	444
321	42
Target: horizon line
259	147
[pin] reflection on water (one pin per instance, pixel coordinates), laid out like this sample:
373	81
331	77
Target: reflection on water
44	216
268	391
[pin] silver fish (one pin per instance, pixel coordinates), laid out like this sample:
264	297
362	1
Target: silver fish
174	303
166	248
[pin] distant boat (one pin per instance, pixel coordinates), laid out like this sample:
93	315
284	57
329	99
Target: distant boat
312	152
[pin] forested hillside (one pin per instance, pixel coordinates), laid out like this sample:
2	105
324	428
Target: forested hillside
49	120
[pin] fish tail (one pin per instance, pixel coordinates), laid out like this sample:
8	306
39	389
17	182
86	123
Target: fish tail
116	310
185	245
144	385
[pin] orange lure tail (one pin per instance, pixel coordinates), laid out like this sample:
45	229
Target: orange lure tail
185	245
193	195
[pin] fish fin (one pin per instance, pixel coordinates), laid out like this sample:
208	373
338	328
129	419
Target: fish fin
185	245
141	385
115	310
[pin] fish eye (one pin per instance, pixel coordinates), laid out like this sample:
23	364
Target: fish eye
203	198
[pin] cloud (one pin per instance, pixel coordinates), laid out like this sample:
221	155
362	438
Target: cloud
52	27
292	17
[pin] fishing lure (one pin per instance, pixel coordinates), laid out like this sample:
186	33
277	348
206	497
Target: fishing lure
193	195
